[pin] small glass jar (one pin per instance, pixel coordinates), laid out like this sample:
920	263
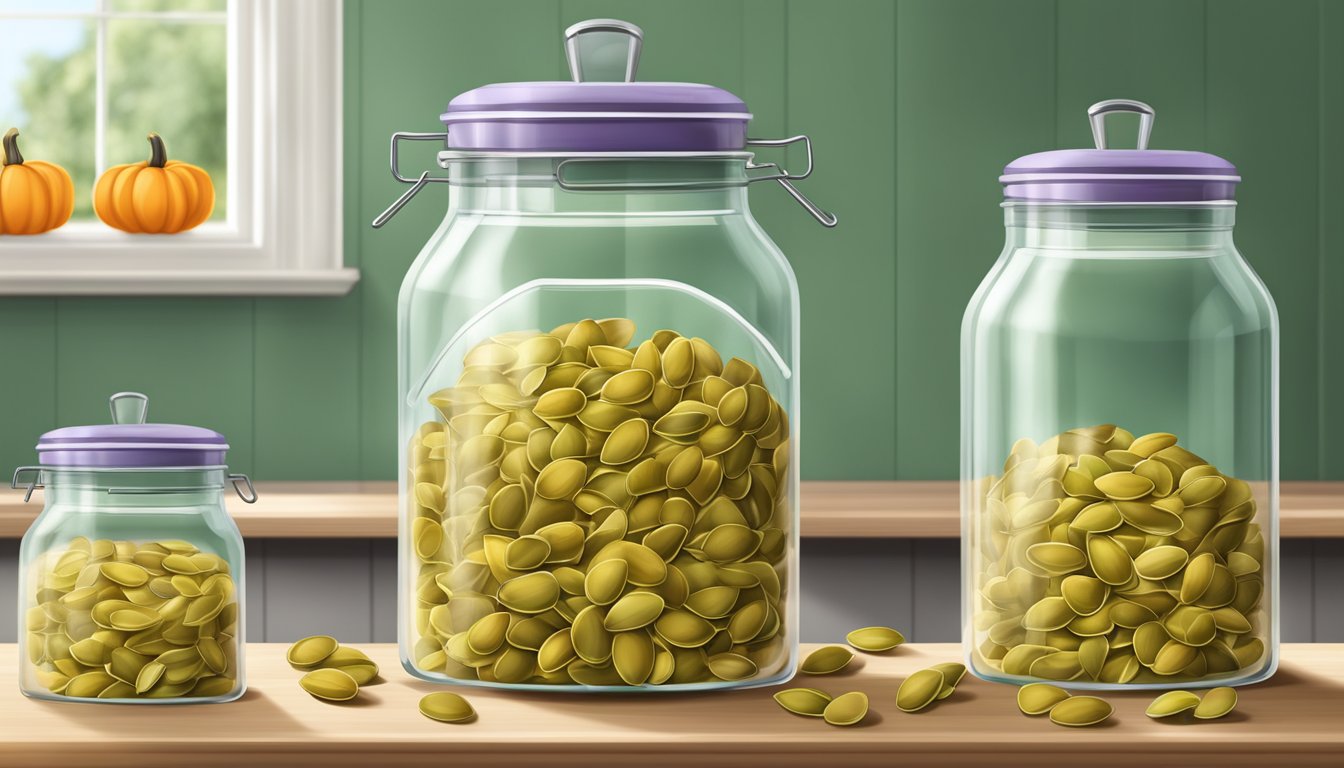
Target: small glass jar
131	578
598	387
1120	429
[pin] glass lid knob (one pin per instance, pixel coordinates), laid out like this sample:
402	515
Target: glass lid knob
128	407
603	50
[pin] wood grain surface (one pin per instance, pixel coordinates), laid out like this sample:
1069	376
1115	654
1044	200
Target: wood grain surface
831	509
1294	719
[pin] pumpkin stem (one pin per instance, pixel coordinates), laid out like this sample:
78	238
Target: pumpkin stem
158	154
11	142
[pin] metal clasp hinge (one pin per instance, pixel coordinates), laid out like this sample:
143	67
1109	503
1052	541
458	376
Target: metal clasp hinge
243	483
786	179
417	183
16	482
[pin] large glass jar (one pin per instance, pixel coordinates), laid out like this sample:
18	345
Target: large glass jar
598	386
131	578
1120	429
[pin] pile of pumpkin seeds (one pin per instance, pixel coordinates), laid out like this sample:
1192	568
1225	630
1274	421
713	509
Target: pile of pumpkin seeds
852	707
332	672
591	510
1104	557
125	620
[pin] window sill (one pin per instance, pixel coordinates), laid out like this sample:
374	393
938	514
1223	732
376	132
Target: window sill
203	282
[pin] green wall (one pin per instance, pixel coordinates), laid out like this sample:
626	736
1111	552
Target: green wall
914	107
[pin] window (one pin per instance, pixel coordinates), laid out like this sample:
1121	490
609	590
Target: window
85	81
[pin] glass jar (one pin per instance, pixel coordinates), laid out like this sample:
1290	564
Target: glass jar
131	578
597	389
1120	428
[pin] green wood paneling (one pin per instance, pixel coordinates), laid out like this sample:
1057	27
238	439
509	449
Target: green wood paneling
28	381
192	357
963	111
1331	216
1144	49
846	275
1263	115
914	107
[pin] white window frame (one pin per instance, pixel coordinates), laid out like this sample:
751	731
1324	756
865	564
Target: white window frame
285	225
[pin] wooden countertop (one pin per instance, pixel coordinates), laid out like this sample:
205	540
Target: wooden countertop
1291	720
901	509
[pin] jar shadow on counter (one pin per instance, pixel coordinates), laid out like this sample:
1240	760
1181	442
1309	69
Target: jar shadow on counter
129	720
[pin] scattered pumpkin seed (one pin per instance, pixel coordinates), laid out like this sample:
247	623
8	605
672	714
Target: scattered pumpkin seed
826	660
1080	711
808	702
919	690
309	652
1172	703
1217	703
1039	698
846	709
329	684
447	707
875	639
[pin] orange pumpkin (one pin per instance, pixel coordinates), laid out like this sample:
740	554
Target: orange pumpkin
158	196
35	197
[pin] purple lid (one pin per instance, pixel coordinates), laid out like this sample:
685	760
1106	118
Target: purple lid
128	442
1105	175
603	110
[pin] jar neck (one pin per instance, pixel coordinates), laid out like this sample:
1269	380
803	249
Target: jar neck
1100	227
606	185
125	487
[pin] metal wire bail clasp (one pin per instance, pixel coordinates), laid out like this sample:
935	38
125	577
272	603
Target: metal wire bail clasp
1096	115
242	485
786	179
16	482
417	183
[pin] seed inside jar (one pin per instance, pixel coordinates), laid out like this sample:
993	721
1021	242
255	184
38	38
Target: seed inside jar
126	620
1116	559
594	509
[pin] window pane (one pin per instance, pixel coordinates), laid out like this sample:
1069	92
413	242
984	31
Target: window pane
47	6
167	5
47	92
170	79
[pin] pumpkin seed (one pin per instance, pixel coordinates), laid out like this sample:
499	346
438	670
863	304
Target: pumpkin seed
1172	703
731	666
329	684
632	655
875	639
1160	562
1080	711
1217	703
1039	698
354	663
447	707
846	709
826	660
808	702
635	610
953	672
531	593
919	690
